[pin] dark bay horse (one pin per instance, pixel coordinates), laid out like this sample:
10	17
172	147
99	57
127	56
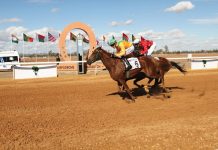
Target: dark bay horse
116	68
164	66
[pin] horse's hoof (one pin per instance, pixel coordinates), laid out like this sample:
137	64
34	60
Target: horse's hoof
130	101
167	96
148	96
164	90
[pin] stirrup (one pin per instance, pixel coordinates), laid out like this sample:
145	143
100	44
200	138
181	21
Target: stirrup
128	68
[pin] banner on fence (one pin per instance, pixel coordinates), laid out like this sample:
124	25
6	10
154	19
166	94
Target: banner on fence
204	64
34	71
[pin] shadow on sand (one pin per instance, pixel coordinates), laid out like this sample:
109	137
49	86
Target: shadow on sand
155	92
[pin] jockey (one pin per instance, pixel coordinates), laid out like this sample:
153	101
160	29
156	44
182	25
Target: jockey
147	46
137	46
123	48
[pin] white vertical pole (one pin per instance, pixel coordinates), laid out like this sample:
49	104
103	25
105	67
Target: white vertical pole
23	48
59	51
13	73
71	50
36	47
11	42
48	47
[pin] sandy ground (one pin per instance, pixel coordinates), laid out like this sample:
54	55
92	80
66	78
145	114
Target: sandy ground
84	112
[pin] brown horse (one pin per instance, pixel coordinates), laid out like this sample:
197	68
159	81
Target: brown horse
116	68
164	65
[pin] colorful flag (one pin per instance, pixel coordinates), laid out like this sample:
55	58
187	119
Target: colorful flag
51	38
142	39
27	38
72	37
85	40
41	38
14	39
133	37
125	37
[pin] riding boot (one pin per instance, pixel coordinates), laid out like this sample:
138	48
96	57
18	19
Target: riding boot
128	64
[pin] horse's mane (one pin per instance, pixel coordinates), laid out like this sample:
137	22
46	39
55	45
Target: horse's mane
107	49
104	50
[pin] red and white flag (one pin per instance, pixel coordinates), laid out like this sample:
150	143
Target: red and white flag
51	38
125	37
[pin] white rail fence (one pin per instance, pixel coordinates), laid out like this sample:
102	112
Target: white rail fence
75	62
207	62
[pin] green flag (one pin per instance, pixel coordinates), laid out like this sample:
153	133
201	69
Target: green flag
14	39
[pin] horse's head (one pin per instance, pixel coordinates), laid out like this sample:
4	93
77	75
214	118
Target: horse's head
94	56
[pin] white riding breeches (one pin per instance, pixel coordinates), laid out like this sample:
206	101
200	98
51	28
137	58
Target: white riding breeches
151	49
129	50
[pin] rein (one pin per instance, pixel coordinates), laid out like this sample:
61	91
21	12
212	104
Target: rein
98	54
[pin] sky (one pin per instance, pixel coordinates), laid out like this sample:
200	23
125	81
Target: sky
181	25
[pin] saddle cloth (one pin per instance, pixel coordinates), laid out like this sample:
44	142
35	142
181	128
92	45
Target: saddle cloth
134	63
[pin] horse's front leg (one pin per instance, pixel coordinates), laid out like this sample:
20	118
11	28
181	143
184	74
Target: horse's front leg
152	89
149	82
123	82
120	87
163	86
138	78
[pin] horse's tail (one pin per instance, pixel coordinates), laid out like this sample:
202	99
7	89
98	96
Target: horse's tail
177	66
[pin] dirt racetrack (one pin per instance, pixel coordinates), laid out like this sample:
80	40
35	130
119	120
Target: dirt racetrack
84	112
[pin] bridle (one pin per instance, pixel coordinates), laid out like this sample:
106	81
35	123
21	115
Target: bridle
97	56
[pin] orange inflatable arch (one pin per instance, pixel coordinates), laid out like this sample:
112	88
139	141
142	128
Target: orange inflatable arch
67	29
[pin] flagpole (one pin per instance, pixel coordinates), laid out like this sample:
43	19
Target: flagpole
11	43
48	47
23	51
59	52
23	47
36	49
70	44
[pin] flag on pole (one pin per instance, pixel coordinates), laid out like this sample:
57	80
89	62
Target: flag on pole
27	38
133	38
51	38
125	37
14	39
85	40
72	37
41	38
